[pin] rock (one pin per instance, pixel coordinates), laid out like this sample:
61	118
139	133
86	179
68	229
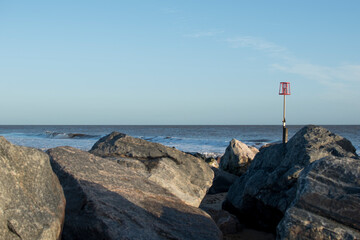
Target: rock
213	163
209	160
237	157
250	234
263	194
198	155
230	226
222	181
185	176
327	203
301	224
108	200
227	223
32	202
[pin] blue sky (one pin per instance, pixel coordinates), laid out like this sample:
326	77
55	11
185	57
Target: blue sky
179	62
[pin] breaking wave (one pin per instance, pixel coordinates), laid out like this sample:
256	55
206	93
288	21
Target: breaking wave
60	135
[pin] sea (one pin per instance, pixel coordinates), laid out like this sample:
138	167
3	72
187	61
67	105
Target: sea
205	139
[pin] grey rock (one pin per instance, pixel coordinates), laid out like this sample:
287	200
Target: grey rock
304	225
263	194
32	202
237	157
327	204
108	200
184	175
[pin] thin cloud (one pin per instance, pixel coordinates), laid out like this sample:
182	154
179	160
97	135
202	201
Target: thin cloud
324	74
304	69
169	10
349	72
203	34
255	43
338	77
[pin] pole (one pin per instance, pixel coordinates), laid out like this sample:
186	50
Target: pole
285	130
284	121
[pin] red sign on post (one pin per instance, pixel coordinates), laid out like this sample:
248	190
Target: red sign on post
284	88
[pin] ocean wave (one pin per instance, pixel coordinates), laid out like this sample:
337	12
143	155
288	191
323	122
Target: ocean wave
207	147
260	140
205	155
60	135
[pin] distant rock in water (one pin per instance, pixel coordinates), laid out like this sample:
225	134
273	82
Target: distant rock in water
327	203
108	200
32	202
80	135
265	192
184	175
237	157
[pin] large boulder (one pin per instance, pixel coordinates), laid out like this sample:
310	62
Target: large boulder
32	202
107	200
184	175
327	204
263	194
237	157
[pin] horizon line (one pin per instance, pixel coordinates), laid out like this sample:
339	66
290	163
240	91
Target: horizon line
178	124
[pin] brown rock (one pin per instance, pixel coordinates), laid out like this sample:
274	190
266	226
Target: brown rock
108	200
32	202
184	175
237	157
227	223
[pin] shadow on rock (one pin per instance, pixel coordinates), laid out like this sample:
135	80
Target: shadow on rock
108	201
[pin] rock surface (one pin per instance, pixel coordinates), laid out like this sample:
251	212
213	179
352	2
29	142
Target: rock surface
32	202
213	163
212	160
327	204
222	181
184	175
237	157
263	194
227	223
108	200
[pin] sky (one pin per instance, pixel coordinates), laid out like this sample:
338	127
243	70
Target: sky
179	62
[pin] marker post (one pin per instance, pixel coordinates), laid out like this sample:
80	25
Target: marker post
284	90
